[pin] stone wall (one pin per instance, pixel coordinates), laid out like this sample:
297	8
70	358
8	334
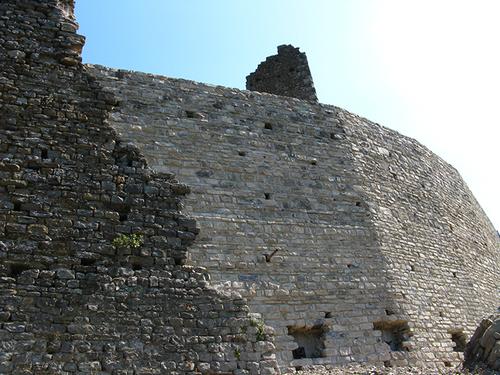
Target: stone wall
92	241
443	253
286	73
267	174
355	243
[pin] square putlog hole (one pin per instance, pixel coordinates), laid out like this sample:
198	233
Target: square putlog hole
15	269
459	338
310	341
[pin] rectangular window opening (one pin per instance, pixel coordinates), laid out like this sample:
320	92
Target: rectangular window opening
310	341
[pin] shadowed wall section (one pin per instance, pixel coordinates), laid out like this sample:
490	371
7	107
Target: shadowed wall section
72	298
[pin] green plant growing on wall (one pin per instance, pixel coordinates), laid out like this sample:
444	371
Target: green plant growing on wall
132	241
259	324
261	336
237	353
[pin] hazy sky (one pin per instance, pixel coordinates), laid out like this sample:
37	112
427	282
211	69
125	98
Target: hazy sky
429	69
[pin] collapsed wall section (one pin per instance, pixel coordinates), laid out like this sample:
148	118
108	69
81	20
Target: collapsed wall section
286	73
92	241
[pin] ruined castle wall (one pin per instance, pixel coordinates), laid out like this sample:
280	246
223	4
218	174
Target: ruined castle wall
73	299
286	74
354	242
267	173
358	248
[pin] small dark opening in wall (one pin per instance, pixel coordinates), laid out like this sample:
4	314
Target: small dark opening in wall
15	269
218	105
87	261
190	114
17	206
328	315
387	364
268	126
267	196
136	266
447	363
459	338
45	154
119	74
389	312
314	162
129	163
138	263
242	153
298	368
358	204
441	314
204	173
310	341
412	267
394	333
178	261
299	353
123	212
454	274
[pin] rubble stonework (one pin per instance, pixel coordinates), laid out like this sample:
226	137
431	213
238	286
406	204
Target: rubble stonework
286	73
353	242
92	241
484	346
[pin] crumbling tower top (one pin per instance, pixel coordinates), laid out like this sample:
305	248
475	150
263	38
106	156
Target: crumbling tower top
68	8
286	73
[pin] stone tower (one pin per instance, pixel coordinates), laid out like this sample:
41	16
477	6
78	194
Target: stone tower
286	74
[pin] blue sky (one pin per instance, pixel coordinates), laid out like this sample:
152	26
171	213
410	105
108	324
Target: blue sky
428	69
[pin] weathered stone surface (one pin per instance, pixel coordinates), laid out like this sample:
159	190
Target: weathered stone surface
484	346
370	227
351	241
91	239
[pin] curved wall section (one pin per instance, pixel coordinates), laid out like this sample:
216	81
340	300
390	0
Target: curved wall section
443	252
349	239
